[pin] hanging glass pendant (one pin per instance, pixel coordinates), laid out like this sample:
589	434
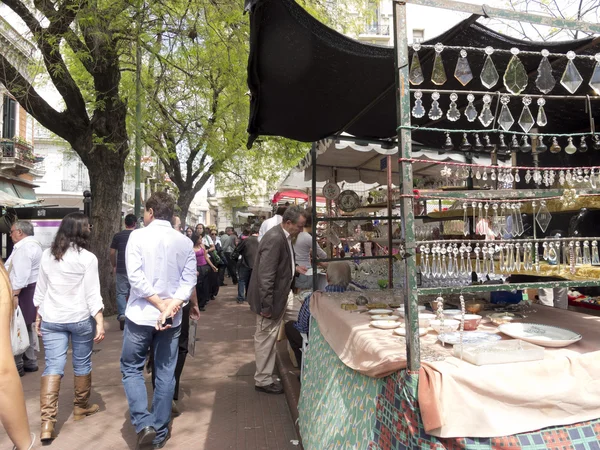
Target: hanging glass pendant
541	119
478	146
571	78
543	216
415	76
453	114
515	77
502	147
486	117
435	112
570	148
462	72
489	75
526	119
488	147
583	145
596	143
448	145
525	145
438	75
555	148
595	80
470	111
545	81
465	145
505	119
418	111
541	147
514	143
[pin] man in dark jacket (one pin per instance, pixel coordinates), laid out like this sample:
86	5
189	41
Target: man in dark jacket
272	276
247	249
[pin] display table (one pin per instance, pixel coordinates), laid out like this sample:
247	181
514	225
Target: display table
346	402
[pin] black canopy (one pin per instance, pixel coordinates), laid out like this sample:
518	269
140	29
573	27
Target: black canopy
308	82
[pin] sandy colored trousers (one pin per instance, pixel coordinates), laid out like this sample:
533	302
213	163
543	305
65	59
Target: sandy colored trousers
265	338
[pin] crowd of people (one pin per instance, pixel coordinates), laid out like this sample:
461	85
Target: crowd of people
164	276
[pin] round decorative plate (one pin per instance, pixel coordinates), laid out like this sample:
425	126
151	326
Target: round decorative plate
469	337
402	331
379	311
544	335
331	191
385	324
383	317
348	201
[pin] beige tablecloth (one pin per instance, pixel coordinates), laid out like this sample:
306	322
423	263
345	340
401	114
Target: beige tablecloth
457	398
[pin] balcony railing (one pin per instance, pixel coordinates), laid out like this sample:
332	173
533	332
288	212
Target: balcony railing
377	30
21	151
75	186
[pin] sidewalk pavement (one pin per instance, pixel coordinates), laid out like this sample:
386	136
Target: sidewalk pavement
220	408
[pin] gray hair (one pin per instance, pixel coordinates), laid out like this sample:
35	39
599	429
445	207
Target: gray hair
339	274
293	213
24	226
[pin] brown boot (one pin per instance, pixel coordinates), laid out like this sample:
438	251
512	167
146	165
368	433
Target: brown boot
83	389
49	406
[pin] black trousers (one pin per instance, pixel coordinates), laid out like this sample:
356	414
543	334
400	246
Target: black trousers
295	339
182	352
231	268
213	282
203	285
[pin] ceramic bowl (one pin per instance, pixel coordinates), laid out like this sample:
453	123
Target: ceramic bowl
400	311
383	317
474	307
450	313
471	321
449	325
425	319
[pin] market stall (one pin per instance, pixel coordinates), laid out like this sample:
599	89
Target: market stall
377	383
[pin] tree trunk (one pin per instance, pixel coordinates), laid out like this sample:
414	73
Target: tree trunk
183	202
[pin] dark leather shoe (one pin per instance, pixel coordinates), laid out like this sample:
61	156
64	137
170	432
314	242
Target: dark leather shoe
31	369
162	443
145	437
270	389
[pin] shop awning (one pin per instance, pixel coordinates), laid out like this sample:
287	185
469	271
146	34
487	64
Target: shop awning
308	82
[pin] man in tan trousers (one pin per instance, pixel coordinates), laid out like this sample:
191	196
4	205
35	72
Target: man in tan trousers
271	281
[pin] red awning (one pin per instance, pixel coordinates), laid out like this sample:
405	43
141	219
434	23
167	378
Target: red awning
294	194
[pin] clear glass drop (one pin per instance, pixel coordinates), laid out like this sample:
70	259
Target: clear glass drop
448	145
488	147
525	145
543	216
489	75
570	148
470	110
415	75
493	175
438	75
462	72
595	79
541	119
465	145
514	143
502	147
545	81
583	145
526	119
541	147
435	112
571	78
528	176
486	117
478	146
453	114
418	110
515	76
505	119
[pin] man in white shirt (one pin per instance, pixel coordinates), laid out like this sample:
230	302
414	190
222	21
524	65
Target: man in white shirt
23	267
272	222
161	266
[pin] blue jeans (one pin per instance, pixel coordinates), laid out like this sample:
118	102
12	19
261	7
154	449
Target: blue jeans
137	339
122	293
243	282
56	343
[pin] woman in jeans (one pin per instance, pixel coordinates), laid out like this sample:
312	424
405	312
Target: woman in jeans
70	306
204	267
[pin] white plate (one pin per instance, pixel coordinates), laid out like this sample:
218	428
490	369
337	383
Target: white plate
402	331
383	317
545	335
385	324
469	337
380	311
452	312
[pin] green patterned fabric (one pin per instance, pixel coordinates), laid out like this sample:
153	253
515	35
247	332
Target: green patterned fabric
342	409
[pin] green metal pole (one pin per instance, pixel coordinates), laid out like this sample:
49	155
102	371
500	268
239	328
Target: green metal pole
406	187
138	130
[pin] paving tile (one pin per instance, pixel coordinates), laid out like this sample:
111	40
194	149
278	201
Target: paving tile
221	409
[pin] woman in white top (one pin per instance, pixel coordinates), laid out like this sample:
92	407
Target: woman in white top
67	296
302	251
